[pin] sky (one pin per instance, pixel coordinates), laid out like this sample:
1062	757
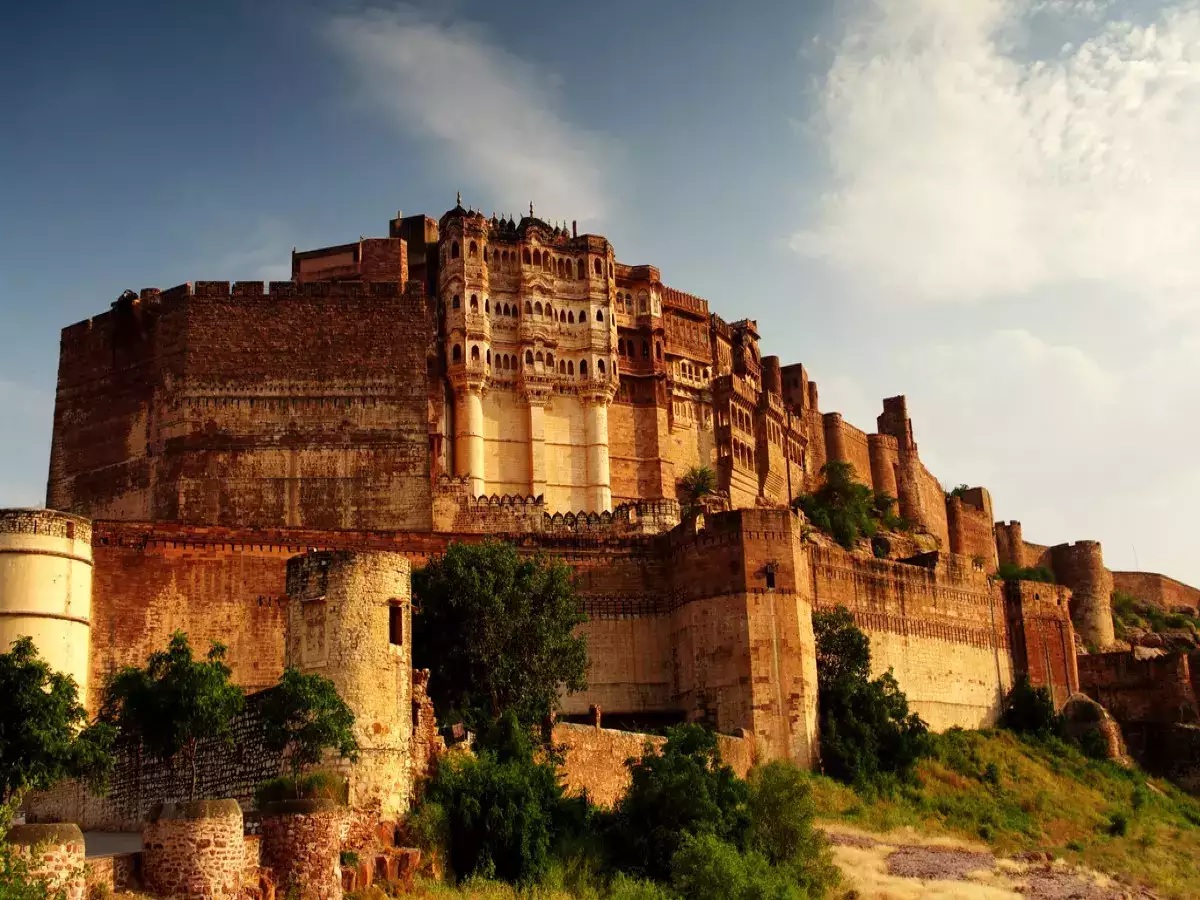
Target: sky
991	206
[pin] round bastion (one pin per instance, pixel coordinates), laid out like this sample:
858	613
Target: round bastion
301	843
194	850
56	853
46	587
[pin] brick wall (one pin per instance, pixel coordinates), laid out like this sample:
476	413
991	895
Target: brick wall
1140	690
1165	593
304	405
970	525
1042	638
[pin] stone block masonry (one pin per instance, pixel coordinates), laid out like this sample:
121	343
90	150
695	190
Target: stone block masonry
54	852
194	851
300	844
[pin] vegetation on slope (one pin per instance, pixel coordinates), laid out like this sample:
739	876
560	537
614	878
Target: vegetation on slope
1020	794
847	510
1132	618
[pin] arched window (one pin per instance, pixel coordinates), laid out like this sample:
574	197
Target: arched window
456	353
570	367
474	303
645	349
583	368
486	306
597	267
475	353
495	256
562	270
537	257
529	357
539	357
621	346
571	318
537	309
473	250
454	250
599	315
525	254
457	302
581	271
550	360
658	350
503	310
600	366
562	367
528	308
489	358
503	257
550	310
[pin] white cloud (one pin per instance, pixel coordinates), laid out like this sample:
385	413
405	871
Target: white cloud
495	114
963	170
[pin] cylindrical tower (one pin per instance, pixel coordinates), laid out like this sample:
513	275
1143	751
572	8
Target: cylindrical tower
350	619
46	587
1080	566
835	441
595	418
884	455
1010	544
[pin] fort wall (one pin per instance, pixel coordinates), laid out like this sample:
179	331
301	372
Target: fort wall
1158	690
847	444
1080	566
219	404
1159	590
1041	635
940	626
970	525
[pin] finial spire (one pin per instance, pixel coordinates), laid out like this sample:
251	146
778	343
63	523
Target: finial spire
458	198
531	209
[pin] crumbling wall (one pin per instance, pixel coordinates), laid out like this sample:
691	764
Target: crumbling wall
1140	690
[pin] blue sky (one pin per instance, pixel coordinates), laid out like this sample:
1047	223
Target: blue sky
987	205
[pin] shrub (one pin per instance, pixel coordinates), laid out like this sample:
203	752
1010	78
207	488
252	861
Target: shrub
682	788
707	868
697	483
1012	572
496	813
1029	710
625	887
310	786
781	828
841	507
868	734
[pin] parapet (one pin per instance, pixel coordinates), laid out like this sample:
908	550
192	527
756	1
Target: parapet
46	523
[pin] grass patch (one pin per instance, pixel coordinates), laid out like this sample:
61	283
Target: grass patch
1130	613
1015	794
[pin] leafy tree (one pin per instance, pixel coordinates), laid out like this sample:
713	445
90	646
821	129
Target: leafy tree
303	717
867	732
44	735
497	632
176	705
847	510
682	788
707	868
781	809
958	491
497	813
1030	710
696	484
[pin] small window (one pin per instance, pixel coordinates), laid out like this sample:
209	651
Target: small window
475	353
600	366
528	308
396	624
486	306
454	252
474	303
570	318
583	368
457	302
537	257
599	315
645	349
525	255
582	270
456	353
473	250
537	309
529	357
597	267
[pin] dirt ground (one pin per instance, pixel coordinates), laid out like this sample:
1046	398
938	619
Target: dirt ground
904	865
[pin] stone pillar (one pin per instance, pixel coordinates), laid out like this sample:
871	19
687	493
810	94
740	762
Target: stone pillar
599	487
301	845
194	850
468	442
537	442
55	853
350	619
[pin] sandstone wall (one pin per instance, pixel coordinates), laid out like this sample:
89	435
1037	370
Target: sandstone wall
1041	635
940	627
304	405
1165	593
636	459
845	443
595	758
970	524
1140	690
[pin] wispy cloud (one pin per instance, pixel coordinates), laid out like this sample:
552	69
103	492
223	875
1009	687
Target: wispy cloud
496	115
963	169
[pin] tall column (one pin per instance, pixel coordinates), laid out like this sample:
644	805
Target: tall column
537	443
468	438
595	417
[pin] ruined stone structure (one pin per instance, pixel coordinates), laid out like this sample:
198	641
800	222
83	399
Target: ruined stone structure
470	377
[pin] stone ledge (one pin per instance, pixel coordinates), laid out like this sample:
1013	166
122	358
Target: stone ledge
195	809
49	833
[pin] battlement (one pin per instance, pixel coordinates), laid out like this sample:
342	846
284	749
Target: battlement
677	299
45	523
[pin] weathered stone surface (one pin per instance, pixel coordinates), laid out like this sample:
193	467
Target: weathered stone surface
301	845
194	850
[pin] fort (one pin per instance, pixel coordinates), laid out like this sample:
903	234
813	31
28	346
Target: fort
264	463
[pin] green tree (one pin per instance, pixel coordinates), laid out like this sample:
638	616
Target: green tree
497	632
706	868
177	705
679	789
781	809
696	484
1030	710
868	733
847	510
1012	572
44	733
303	716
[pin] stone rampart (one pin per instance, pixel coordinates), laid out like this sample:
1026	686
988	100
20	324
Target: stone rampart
55	852
300	844
1041	635
1141	690
1080	566
1159	590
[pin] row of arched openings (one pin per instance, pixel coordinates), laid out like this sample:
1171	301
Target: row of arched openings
508	362
506	260
531	309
